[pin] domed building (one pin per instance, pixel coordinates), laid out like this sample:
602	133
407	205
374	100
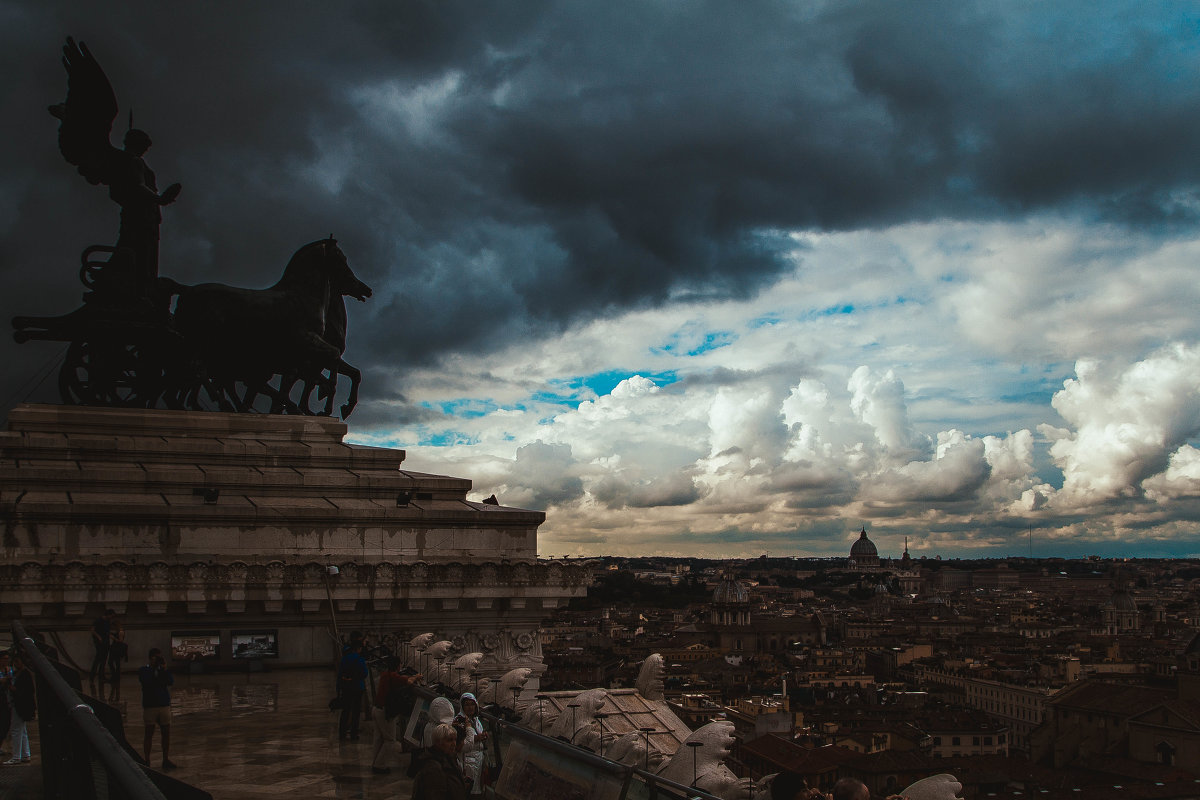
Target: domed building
863	552
1121	615
730	603
734	631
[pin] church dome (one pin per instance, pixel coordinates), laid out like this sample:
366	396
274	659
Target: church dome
863	550
731	591
1122	601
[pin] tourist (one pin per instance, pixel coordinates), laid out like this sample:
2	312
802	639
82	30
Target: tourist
851	789
156	681
101	633
854	789
441	711
5	695
474	746
793	786
440	777
24	708
393	701
118	651
352	676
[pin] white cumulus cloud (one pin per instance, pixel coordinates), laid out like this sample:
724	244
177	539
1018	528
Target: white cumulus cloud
1126	424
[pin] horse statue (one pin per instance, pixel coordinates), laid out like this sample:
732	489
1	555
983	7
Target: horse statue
248	336
224	346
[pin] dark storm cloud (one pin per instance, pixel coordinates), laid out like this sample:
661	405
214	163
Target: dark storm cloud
497	171
677	488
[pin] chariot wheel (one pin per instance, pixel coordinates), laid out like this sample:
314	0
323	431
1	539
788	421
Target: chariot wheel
110	373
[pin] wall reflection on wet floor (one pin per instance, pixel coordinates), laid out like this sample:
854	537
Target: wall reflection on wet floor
260	735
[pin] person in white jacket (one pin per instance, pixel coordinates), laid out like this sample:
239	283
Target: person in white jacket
441	711
474	746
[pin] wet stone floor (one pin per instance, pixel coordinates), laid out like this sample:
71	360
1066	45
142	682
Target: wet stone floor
262	735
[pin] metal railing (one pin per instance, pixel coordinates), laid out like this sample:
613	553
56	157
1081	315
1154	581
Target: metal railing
81	759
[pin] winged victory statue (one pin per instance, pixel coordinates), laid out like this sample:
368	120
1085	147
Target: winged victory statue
143	340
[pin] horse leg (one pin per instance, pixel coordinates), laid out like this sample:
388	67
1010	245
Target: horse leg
281	401
287	382
355	376
320	383
306	397
329	389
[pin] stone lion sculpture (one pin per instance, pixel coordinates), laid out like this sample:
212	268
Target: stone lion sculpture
462	672
629	749
650	678
703	765
502	691
576	725
539	716
415	647
432	653
937	787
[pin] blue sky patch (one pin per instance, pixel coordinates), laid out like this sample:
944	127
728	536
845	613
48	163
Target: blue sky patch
689	343
713	341
447	439
603	383
465	407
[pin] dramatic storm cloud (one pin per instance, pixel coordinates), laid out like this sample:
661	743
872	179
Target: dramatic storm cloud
692	277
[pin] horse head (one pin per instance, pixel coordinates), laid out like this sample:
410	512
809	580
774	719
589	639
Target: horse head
323	260
341	278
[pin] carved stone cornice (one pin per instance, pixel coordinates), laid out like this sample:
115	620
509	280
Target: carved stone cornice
44	581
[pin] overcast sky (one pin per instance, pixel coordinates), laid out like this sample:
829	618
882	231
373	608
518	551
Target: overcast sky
693	278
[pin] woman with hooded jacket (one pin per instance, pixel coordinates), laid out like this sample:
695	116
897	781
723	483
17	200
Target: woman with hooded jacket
24	708
474	746
441	712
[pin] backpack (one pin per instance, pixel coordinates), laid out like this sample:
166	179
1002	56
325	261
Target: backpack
399	701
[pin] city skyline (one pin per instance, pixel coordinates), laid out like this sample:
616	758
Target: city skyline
692	279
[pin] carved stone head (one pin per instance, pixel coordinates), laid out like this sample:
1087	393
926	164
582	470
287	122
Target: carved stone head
466	664
439	649
937	787
715	742
513	679
650	678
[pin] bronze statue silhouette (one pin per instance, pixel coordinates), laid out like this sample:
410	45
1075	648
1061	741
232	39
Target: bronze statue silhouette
83	137
221	348
247	336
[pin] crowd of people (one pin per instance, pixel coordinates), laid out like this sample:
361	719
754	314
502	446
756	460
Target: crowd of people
450	762
793	786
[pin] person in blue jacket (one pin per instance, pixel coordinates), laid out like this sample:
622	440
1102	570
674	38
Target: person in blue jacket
156	681
352	680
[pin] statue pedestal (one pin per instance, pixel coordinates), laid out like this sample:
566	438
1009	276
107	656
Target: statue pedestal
179	520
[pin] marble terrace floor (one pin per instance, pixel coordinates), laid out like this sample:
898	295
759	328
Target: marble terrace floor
261	735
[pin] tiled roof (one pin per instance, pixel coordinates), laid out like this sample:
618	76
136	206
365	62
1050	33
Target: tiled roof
791	756
627	711
1110	698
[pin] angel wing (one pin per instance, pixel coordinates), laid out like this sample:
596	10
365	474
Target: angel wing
87	116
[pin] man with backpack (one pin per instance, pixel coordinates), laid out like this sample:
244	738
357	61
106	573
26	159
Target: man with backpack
394	700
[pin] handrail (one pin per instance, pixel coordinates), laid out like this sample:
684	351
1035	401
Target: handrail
582	754
116	761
